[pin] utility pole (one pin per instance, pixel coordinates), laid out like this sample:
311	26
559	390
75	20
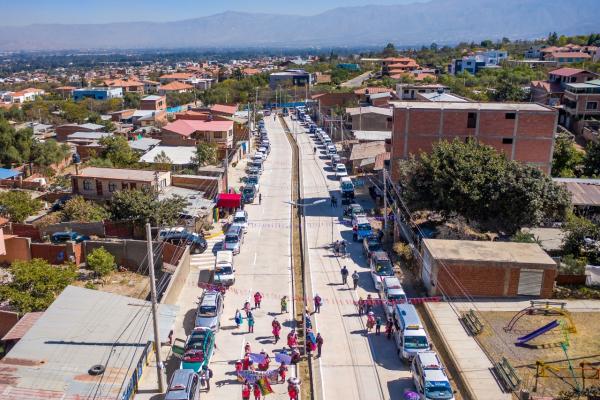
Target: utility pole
250	127
385	217
159	363
226	168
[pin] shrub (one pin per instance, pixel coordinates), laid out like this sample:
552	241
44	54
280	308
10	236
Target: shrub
101	261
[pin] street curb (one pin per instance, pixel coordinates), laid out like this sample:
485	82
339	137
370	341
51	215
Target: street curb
214	235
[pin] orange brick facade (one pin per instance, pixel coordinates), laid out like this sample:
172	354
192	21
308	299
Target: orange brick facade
522	135
485	281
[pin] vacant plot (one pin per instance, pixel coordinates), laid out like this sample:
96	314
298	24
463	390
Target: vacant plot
125	283
583	346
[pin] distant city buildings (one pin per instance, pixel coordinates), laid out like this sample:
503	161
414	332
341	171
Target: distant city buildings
472	63
292	77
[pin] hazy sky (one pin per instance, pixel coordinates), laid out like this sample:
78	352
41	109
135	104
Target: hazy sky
26	12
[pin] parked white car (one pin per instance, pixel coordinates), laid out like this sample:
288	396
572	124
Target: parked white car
340	171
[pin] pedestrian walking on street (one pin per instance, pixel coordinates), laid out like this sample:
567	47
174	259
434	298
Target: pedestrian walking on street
276	329
369	303
257	392
282	371
247	308
247	348
344	272
331	200
259	198
238	318
257	299
284	302
246	391
361	306
318	302
251	324
389	328
292	339
207	374
319	344
370	321
355	279
378	326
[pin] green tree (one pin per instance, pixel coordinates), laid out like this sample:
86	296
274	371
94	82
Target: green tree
566	159
75	112
17	205
48	152
131	100
143	206
477	182
591	160
35	284
576	230
162	162
552	39
118	151
78	209
389	50
15	146
101	261
206	154
487	43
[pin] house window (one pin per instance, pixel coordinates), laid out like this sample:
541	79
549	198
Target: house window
112	187
507	140
218	135
591	105
87	184
472	120
510	115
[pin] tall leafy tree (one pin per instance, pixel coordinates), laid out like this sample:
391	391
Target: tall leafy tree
206	154
566	160
118	151
591	161
78	209
143	206
18	205
477	182
35	284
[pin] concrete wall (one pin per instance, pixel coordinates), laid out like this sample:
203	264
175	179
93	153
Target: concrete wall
178	279
8	319
90	229
57	253
128	253
371	122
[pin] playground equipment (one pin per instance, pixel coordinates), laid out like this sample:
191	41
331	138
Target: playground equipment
540	331
540	307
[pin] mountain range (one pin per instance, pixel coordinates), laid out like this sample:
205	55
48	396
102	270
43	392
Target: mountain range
440	21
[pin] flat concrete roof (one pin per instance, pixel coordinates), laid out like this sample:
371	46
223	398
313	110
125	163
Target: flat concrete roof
492	252
428	105
81	328
139	175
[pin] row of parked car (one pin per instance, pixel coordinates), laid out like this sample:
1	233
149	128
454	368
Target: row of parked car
412	342
196	351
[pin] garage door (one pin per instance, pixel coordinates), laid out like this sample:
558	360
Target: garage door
530	282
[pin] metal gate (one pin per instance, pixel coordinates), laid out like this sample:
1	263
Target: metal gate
530	282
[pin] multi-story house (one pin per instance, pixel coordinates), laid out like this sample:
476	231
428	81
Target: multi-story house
102	183
100	93
187	132
474	62
551	91
581	103
522	131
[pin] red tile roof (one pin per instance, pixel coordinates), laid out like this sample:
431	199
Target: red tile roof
224	108
175	86
570	54
566	71
185	127
372	90
177	75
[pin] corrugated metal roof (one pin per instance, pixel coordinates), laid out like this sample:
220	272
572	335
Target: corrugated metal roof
80	329
584	192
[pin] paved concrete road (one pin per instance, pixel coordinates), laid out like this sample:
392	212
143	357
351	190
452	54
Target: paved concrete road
353	365
263	265
357	81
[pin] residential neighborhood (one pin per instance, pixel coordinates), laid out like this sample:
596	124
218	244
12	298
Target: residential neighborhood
329	217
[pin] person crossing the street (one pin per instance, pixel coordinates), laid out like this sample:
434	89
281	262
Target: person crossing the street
355	279
318	301
284	304
276	329
319	344
257	299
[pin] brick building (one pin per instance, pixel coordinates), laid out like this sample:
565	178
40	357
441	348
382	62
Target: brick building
551	91
101	183
187	132
522	131
154	103
486	269
581	104
370	118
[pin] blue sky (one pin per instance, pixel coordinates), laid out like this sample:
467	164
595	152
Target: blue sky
26	12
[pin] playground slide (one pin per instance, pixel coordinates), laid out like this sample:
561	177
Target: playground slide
538	332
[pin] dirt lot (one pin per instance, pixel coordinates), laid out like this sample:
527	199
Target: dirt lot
124	283
584	345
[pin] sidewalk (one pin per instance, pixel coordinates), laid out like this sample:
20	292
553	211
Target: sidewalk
472	363
509	305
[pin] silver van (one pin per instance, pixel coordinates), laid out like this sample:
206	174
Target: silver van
184	385
234	239
210	308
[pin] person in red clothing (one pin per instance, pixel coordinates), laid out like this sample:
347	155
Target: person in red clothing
276	329
238	366
292	339
257	392
282	371
293	391
318	301
257	299
246	391
246	362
